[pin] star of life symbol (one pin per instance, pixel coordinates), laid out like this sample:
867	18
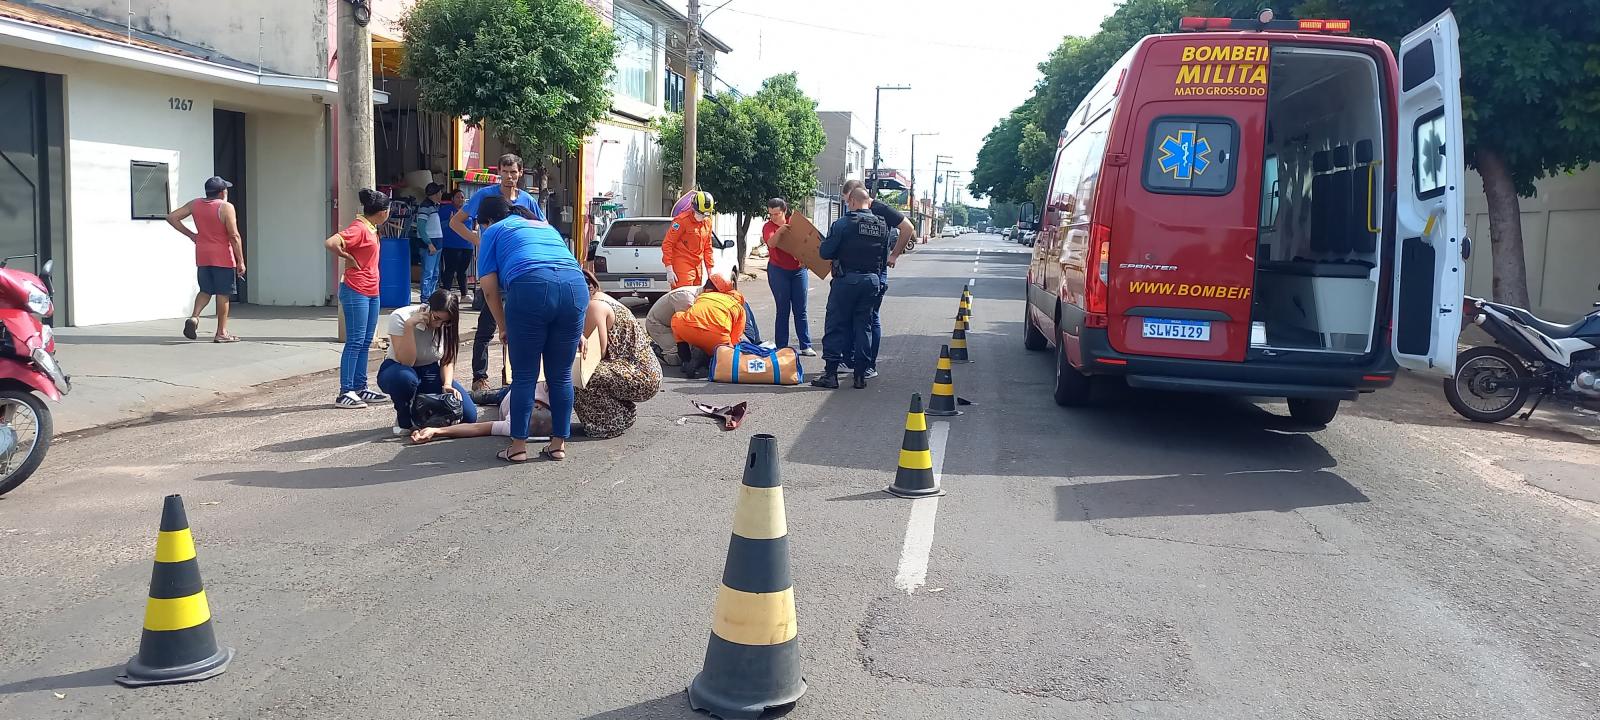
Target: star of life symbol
1185	156
755	365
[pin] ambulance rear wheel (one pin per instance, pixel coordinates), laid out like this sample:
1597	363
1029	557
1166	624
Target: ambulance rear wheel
1313	411
1032	339
1072	387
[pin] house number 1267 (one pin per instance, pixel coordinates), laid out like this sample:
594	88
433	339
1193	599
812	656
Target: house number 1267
181	104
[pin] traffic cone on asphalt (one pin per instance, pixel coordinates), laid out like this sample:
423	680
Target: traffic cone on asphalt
958	342
966	301
942	403
178	643
914	478
753	658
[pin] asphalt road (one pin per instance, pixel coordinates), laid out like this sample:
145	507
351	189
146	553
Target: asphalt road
1157	556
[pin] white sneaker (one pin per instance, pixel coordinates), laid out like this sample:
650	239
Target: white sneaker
399	431
349	401
770	345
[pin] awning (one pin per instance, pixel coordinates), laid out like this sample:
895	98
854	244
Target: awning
34	29
388	55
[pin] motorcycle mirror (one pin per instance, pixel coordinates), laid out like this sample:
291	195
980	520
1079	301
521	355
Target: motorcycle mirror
48	266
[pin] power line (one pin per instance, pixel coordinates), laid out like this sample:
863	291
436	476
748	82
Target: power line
877	36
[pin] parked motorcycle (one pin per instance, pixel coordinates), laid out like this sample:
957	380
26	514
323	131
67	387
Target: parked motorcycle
1531	358
28	369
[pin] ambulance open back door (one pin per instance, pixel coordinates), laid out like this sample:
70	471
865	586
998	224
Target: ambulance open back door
1430	215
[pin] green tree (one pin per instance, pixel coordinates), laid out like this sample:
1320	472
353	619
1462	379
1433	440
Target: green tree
534	72
955	214
751	149
1014	162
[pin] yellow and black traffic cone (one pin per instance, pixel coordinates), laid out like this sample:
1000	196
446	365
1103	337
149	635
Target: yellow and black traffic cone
966	301
178	643
958	342
753	659
942	403
914	478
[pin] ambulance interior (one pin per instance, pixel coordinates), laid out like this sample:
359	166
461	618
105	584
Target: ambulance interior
1317	259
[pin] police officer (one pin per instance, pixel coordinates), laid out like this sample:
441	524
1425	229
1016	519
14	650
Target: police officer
858	245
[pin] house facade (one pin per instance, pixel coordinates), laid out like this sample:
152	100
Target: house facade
121	116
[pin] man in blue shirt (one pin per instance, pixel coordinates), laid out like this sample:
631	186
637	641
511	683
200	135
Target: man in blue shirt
858	245
510	174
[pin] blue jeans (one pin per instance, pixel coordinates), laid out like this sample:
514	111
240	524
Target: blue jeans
544	321
789	293
360	322
430	273
752	331
403	382
847	338
877	320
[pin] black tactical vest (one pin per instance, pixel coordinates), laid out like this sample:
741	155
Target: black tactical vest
867	249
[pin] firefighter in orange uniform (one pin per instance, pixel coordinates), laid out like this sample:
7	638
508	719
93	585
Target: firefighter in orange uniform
716	318
686	249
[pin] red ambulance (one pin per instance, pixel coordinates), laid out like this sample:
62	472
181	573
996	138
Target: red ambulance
1257	207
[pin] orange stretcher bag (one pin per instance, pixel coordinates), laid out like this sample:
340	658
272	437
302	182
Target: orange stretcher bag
747	364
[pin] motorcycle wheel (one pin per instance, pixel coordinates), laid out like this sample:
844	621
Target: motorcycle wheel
26	415
1476	391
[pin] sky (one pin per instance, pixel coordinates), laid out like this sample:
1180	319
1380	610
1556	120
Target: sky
968	62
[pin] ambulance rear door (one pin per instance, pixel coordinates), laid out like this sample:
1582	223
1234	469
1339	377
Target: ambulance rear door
1431	225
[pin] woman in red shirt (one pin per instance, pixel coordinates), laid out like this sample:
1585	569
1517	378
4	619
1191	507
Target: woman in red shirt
357	246
787	278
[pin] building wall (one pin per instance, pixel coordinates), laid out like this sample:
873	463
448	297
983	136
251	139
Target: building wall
288	36
120	269
1559	242
627	163
843	155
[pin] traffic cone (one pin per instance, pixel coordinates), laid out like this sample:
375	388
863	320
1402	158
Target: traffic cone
943	401
914	478
178	643
753	658
958	342
966	301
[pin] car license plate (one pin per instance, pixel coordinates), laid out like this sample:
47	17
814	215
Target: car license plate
1177	329
636	282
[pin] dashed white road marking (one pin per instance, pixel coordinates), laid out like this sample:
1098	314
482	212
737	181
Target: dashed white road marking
913	571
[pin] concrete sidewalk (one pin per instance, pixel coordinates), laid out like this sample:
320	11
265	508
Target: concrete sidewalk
129	371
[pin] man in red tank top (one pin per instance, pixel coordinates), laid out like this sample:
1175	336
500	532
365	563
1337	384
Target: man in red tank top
218	253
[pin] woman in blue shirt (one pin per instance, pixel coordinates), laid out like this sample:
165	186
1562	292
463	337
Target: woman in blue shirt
533	286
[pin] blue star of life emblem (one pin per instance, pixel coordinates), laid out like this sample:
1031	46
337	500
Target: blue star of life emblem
1185	156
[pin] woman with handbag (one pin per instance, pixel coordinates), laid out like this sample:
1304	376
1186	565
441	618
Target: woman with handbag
628	372
422	357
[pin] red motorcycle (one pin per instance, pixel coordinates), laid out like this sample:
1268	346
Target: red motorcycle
28	369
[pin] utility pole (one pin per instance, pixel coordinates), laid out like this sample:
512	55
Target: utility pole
355	111
877	109
949	185
934	198
911	192
691	97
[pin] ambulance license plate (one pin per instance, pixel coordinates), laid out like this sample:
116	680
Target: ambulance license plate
1199	330
636	282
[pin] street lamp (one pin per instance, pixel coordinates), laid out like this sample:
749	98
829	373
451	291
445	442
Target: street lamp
877	108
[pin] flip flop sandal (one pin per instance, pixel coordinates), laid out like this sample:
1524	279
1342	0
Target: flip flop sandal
191	328
225	339
550	455
510	457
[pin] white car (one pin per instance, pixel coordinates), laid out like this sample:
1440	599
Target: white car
628	260
948	231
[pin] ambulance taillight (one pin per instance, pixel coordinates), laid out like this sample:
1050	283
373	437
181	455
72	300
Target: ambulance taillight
1097	290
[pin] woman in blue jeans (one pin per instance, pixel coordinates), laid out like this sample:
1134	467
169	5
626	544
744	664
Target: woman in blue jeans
787	278
422	357
357	245
535	289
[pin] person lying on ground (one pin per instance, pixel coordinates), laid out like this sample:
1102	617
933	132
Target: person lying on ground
539	425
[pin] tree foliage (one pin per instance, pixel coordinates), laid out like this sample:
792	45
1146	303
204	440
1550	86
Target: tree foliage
751	149
536	72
